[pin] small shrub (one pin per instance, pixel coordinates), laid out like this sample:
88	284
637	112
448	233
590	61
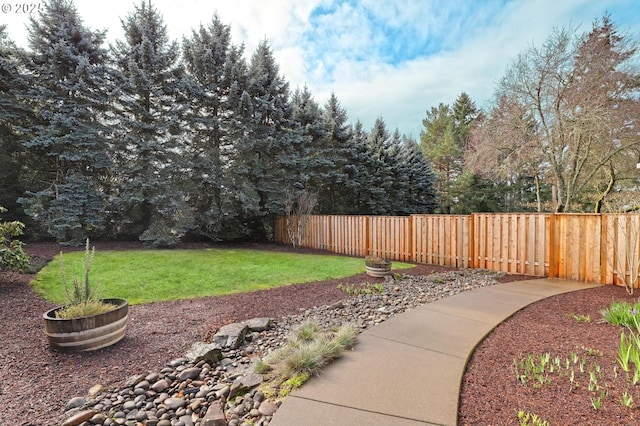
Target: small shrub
307	331
307	358
346	336
12	254
377	262
261	367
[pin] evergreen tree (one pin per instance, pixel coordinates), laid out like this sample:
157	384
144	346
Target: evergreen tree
14	119
444	142
357	171
151	170
341	150
399	175
420	192
70	89
464	114
439	146
308	114
267	157
379	167
217	76
317	163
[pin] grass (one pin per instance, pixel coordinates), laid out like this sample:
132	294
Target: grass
305	354
143	276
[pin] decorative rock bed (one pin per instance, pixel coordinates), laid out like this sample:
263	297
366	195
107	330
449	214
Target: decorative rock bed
214	383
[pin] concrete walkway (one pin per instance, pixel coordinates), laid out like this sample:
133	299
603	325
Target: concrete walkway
407	371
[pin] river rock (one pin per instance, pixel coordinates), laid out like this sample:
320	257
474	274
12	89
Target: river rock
215	416
160	386
206	397
189	373
95	390
267	408
75	402
79	418
174	403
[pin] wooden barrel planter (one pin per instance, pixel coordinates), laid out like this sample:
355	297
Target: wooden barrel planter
377	267
87	333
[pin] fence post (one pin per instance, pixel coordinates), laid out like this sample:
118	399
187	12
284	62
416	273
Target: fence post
473	262
367	227
552	246
409	237
604	223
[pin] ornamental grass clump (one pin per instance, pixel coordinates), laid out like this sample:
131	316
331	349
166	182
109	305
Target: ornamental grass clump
304	355
82	295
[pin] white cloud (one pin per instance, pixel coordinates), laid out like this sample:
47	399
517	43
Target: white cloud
394	59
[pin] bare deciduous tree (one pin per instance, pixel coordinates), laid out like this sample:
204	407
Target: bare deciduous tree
503	146
299	205
580	94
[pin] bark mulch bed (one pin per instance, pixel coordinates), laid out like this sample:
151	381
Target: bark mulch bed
492	395
36	383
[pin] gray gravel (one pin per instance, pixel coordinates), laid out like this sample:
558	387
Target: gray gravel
226	392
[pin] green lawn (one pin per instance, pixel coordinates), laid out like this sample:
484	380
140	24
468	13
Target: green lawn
143	276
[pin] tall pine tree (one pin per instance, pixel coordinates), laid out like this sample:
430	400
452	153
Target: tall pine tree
307	116
15	117
379	165
420	194
443	141
267	158
217	77
341	150
70	74
151	168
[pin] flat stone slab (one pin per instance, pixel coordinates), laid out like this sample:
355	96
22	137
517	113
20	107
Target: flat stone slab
322	414
231	335
432	330
258	324
393	379
202	351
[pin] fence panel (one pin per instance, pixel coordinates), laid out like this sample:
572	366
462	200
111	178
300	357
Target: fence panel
514	243
349	235
601	248
620	257
441	240
390	237
577	246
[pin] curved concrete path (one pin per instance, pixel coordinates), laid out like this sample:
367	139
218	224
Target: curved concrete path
407	371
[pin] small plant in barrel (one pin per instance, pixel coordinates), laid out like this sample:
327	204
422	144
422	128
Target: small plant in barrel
377	266
82	295
86	323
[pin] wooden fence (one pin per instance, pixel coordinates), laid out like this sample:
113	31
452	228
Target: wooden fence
602	248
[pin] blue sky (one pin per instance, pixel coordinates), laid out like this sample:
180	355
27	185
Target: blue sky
393	59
